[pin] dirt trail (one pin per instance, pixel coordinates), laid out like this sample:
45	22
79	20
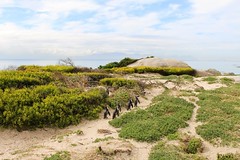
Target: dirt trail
29	145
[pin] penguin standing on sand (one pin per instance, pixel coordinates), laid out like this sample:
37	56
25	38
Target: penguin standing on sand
106	113
119	107
130	104
136	101
115	113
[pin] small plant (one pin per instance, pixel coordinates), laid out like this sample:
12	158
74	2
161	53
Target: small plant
62	155
194	145
229	156
102	139
73	144
78	132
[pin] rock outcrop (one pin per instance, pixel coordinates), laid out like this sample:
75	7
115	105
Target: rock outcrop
158	62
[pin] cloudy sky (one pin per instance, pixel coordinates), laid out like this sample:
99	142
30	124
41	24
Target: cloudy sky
190	29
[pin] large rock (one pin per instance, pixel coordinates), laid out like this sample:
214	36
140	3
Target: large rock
158	62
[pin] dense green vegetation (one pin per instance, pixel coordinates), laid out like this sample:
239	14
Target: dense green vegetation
50	68
123	63
165	116
121	96
220	113
48	106
30	98
118	82
16	79
161	70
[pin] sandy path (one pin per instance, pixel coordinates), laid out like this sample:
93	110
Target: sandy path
38	144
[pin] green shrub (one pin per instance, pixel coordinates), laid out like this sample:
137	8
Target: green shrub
16	79
49	68
48	106
93	76
194	145
120	96
161	70
123	63
118	82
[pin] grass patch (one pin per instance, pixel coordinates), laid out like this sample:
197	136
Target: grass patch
62	155
227	81
163	151
165	116
60	138
174	136
187	78
102	139
220	112
229	156
187	93
210	80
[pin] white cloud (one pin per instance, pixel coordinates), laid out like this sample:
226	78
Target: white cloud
208	6
174	6
63	6
217	31
5	2
134	25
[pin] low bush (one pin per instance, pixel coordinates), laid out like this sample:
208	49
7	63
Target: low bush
93	76
123	63
118	82
194	145
120	96
50	68
48	106
16	79
161	70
